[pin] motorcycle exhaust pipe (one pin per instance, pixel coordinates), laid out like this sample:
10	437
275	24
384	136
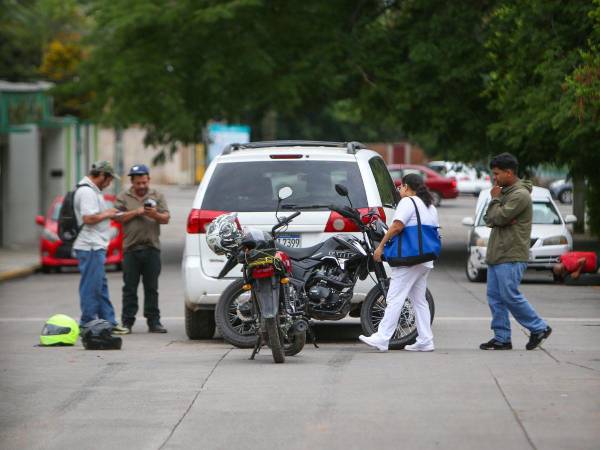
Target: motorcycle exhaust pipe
299	327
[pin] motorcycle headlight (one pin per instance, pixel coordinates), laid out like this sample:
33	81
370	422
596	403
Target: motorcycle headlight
555	240
478	241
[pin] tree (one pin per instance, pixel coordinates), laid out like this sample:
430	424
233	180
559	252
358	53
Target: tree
40	39
535	45
422	64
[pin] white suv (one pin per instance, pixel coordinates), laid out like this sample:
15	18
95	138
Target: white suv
245	178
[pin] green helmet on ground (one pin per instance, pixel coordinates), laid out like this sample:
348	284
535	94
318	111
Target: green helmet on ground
59	330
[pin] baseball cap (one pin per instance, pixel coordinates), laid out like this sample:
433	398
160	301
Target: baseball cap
139	169
105	167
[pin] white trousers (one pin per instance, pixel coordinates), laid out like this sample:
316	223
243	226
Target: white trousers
407	282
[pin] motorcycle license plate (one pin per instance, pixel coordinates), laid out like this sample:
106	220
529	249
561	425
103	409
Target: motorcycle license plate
289	240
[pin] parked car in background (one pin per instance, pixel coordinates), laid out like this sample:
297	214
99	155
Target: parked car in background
550	236
470	180
441	167
54	254
439	186
245	179
562	190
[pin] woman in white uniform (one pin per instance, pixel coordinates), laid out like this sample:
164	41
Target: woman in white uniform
407	281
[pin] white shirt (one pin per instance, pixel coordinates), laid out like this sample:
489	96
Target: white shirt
405	213
88	202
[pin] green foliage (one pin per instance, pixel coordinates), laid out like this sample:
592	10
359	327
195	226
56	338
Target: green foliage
544	84
465	79
171	66
40	39
423	66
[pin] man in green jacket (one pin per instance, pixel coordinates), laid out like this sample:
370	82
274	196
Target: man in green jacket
509	215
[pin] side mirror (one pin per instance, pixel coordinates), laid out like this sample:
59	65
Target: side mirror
40	220
285	192
570	218
341	190
468	221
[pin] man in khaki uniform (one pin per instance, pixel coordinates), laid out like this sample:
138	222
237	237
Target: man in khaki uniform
142	211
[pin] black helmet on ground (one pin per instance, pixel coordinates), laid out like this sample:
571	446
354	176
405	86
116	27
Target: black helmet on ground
96	335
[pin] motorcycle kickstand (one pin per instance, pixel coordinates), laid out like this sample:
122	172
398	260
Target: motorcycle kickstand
257	347
312	336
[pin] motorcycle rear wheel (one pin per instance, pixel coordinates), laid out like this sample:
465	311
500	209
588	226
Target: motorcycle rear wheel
372	311
275	341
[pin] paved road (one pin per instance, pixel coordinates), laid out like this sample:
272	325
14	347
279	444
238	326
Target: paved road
164	391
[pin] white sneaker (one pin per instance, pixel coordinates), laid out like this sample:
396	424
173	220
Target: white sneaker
419	347
372	343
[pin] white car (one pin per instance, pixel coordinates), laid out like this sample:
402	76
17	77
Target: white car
245	178
469	180
550	236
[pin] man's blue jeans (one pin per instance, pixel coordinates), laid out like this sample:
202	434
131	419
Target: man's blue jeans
93	287
503	296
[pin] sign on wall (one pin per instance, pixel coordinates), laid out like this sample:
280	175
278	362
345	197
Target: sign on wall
220	135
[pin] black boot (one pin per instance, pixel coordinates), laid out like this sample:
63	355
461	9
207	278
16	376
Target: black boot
156	327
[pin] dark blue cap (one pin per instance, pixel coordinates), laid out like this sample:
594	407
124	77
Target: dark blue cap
139	169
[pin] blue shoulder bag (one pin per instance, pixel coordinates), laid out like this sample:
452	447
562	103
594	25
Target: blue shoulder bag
414	245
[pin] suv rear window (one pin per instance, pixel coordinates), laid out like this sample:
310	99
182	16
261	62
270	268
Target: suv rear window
253	186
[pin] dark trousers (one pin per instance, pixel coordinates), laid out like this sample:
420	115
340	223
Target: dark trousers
144	263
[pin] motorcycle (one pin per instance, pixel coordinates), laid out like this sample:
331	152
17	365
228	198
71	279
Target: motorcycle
269	308
322	282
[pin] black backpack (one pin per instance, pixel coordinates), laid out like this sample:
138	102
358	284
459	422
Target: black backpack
68	229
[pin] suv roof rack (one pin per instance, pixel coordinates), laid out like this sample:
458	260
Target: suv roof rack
351	147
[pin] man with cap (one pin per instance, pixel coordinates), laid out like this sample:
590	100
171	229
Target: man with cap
93	216
143	210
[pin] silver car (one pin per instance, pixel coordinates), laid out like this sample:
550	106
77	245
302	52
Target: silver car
550	236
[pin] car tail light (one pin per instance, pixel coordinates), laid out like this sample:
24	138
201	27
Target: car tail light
283	156
340	224
487	178
198	219
453	182
263	272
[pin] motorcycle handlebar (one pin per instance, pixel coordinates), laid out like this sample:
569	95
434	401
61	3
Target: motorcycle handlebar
285	221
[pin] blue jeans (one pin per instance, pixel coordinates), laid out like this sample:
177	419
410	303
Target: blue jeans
503	296
93	287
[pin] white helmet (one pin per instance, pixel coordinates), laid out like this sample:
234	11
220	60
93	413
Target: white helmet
223	234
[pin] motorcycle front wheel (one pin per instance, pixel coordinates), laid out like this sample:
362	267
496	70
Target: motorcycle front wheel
372	311
294	344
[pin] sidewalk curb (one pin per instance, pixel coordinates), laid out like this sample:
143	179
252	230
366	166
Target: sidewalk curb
18	273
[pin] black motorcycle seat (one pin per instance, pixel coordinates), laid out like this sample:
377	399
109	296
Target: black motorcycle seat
299	253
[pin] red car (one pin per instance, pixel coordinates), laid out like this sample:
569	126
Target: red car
54	255
439	186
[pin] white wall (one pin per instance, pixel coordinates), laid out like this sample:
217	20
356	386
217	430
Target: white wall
22	196
177	170
53	163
